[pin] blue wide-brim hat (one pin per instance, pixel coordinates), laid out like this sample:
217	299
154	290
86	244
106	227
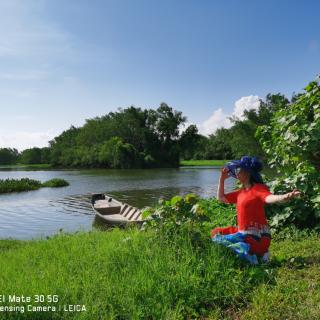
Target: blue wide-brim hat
250	164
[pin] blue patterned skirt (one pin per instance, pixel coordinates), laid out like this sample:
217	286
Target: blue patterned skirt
236	242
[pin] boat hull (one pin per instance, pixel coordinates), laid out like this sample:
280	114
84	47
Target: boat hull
114	212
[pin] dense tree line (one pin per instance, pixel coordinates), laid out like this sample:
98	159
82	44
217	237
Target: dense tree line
144	138
28	156
128	138
8	155
237	140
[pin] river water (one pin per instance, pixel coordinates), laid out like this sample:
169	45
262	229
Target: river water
44	212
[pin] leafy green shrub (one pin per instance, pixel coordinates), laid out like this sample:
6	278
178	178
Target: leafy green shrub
55	183
189	215
149	161
292	143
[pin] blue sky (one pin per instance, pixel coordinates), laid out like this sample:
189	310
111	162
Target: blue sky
62	62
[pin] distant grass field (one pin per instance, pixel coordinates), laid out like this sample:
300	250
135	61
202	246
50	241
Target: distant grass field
203	163
26	166
49	166
127	274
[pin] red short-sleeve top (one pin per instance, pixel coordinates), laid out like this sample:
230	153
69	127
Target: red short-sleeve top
250	206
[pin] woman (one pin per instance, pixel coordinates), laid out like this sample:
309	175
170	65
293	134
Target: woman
251	238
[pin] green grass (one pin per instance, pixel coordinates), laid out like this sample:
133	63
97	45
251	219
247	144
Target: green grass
295	292
127	274
26	184
200	163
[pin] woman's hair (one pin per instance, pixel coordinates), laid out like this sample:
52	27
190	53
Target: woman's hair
253	165
255	178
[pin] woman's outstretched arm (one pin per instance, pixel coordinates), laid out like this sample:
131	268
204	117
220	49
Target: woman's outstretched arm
274	198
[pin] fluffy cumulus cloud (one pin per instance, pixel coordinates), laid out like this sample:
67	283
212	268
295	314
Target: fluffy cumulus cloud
217	120
24	140
245	103
220	119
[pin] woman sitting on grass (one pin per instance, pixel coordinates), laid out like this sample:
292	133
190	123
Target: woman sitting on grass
251	238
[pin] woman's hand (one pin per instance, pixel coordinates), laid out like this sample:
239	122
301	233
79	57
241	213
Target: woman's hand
224	174
220	192
293	194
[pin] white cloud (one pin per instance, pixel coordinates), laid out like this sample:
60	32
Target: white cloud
217	120
245	103
220	119
24	140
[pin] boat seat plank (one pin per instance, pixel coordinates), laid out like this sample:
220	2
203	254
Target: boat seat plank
127	211
132	213
123	208
139	216
136	215
108	210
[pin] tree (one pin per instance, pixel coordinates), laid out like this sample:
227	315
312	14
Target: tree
166	126
292	143
135	137
31	156
45	155
8	155
191	143
243	131
219	145
168	122
116	154
61	147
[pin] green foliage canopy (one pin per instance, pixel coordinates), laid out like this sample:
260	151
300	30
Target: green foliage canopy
192	143
128	138
8	155
243	140
219	146
31	156
292	144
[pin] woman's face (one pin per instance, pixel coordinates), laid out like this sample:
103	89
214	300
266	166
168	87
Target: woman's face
243	175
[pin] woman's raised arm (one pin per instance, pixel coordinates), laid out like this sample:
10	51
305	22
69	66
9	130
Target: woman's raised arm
220	193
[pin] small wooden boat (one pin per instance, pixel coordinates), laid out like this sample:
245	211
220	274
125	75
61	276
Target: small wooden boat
115	212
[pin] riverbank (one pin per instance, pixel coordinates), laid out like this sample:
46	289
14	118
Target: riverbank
201	163
183	163
26	166
134	274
